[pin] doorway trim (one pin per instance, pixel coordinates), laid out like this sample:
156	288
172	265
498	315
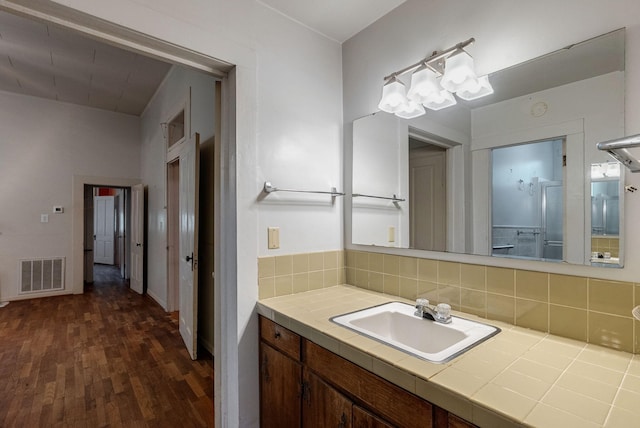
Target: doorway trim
77	221
230	366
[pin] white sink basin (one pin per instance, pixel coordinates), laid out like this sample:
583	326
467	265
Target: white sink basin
396	325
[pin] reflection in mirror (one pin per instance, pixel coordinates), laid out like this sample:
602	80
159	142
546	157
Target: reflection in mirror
427	194
527	201
439	165
605	213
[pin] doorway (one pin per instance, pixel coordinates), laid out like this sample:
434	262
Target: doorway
428	195
107	216
527	202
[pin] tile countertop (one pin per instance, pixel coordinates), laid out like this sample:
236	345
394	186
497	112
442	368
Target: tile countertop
519	377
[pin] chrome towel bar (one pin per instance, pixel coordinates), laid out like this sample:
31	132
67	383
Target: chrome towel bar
394	198
270	188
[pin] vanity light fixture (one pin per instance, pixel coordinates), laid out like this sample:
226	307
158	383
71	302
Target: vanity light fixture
433	82
393	96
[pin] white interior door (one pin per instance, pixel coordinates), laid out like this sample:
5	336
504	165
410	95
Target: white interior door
428	201
103	229
188	219
137	238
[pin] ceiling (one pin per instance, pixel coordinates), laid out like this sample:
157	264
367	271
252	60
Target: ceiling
336	19
47	61
50	62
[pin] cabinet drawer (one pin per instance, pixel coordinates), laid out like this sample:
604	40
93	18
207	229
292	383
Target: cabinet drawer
280	338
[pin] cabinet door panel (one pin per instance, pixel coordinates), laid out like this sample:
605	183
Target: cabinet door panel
280	378
323	406
364	419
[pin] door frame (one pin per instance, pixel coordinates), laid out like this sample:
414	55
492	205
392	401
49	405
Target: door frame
228	308
77	221
173	234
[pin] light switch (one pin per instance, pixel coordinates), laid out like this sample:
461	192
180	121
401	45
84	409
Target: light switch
392	234
58	209
44	218
274	237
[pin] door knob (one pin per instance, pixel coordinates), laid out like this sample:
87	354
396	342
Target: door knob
188	258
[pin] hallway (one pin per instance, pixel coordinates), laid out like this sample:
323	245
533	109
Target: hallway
108	357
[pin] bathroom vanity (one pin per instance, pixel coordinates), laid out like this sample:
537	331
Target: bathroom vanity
304	384
314	372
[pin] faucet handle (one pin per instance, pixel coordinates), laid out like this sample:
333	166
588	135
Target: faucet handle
422	303
443	310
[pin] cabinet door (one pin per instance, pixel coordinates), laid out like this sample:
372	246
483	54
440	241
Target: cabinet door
456	422
280	383
323	406
444	419
364	419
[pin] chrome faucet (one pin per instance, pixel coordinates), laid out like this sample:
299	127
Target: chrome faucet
441	313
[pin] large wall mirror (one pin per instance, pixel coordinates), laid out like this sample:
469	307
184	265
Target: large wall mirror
508	175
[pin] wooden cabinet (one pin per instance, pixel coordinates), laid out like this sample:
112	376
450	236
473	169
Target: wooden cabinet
390	402
279	388
322	405
280	375
305	385
444	419
364	419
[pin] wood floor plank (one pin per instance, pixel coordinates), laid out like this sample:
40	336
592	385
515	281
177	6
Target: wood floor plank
106	358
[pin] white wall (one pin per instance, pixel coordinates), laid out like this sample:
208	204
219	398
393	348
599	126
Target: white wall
299	128
381	145
506	34
288	130
44	144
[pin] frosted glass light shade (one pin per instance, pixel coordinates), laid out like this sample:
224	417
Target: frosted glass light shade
394	97
440	100
423	85
476	89
411	110
458	71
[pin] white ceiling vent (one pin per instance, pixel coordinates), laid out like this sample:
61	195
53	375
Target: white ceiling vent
37	275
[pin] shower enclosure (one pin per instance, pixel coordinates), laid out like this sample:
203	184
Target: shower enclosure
552	215
528	201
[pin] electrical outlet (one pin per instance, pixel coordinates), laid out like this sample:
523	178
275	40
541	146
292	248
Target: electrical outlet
274	238
44	218
392	234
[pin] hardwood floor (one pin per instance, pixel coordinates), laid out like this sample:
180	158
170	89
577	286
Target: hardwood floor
107	358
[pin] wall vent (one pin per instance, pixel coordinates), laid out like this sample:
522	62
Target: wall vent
38	275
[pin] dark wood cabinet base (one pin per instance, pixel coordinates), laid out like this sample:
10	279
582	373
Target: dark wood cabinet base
308	386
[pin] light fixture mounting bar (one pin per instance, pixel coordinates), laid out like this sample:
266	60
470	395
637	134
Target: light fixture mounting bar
436	56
